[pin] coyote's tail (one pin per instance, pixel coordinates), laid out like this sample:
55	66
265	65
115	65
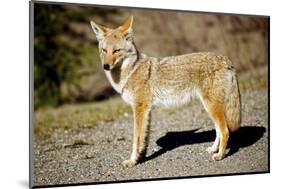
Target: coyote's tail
233	104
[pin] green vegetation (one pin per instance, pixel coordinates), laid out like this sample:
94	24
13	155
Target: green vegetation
59	52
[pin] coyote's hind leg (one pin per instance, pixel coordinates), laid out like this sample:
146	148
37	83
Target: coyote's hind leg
215	147
215	108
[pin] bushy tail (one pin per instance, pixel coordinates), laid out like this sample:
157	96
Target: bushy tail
233	104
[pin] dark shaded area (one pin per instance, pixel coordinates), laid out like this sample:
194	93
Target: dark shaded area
101	95
244	137
105	94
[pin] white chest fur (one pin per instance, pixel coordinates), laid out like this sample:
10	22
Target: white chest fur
124	74
168	98
116	86
119	87
127	97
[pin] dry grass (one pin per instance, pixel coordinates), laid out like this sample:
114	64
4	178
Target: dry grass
254	79
78	116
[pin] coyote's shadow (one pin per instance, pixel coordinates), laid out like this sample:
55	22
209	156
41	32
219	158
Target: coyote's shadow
245	136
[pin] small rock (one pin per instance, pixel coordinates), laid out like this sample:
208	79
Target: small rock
121	138
89	156
155	149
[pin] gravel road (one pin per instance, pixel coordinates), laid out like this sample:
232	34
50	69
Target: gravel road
177	147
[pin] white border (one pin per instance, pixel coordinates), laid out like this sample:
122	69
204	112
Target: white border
14	97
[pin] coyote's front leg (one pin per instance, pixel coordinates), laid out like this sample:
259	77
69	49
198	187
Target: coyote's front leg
141	126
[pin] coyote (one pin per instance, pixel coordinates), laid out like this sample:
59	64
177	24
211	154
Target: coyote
145	82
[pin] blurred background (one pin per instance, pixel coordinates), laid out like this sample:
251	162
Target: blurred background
67	69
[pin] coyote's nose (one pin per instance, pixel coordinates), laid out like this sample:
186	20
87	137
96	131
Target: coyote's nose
106	66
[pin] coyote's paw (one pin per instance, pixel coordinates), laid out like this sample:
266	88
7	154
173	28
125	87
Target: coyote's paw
211	150
129	163
217	157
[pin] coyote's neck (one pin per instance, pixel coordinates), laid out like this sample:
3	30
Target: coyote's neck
119	75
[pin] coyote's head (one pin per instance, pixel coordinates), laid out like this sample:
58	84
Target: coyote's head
115	45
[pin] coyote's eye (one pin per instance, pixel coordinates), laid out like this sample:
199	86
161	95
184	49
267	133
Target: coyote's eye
116	50
104	50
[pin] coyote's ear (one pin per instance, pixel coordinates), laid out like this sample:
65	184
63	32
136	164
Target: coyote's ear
127	28
99	30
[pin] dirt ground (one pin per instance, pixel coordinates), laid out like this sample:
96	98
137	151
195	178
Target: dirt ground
177	147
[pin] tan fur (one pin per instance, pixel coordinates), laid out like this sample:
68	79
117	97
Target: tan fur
144	82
